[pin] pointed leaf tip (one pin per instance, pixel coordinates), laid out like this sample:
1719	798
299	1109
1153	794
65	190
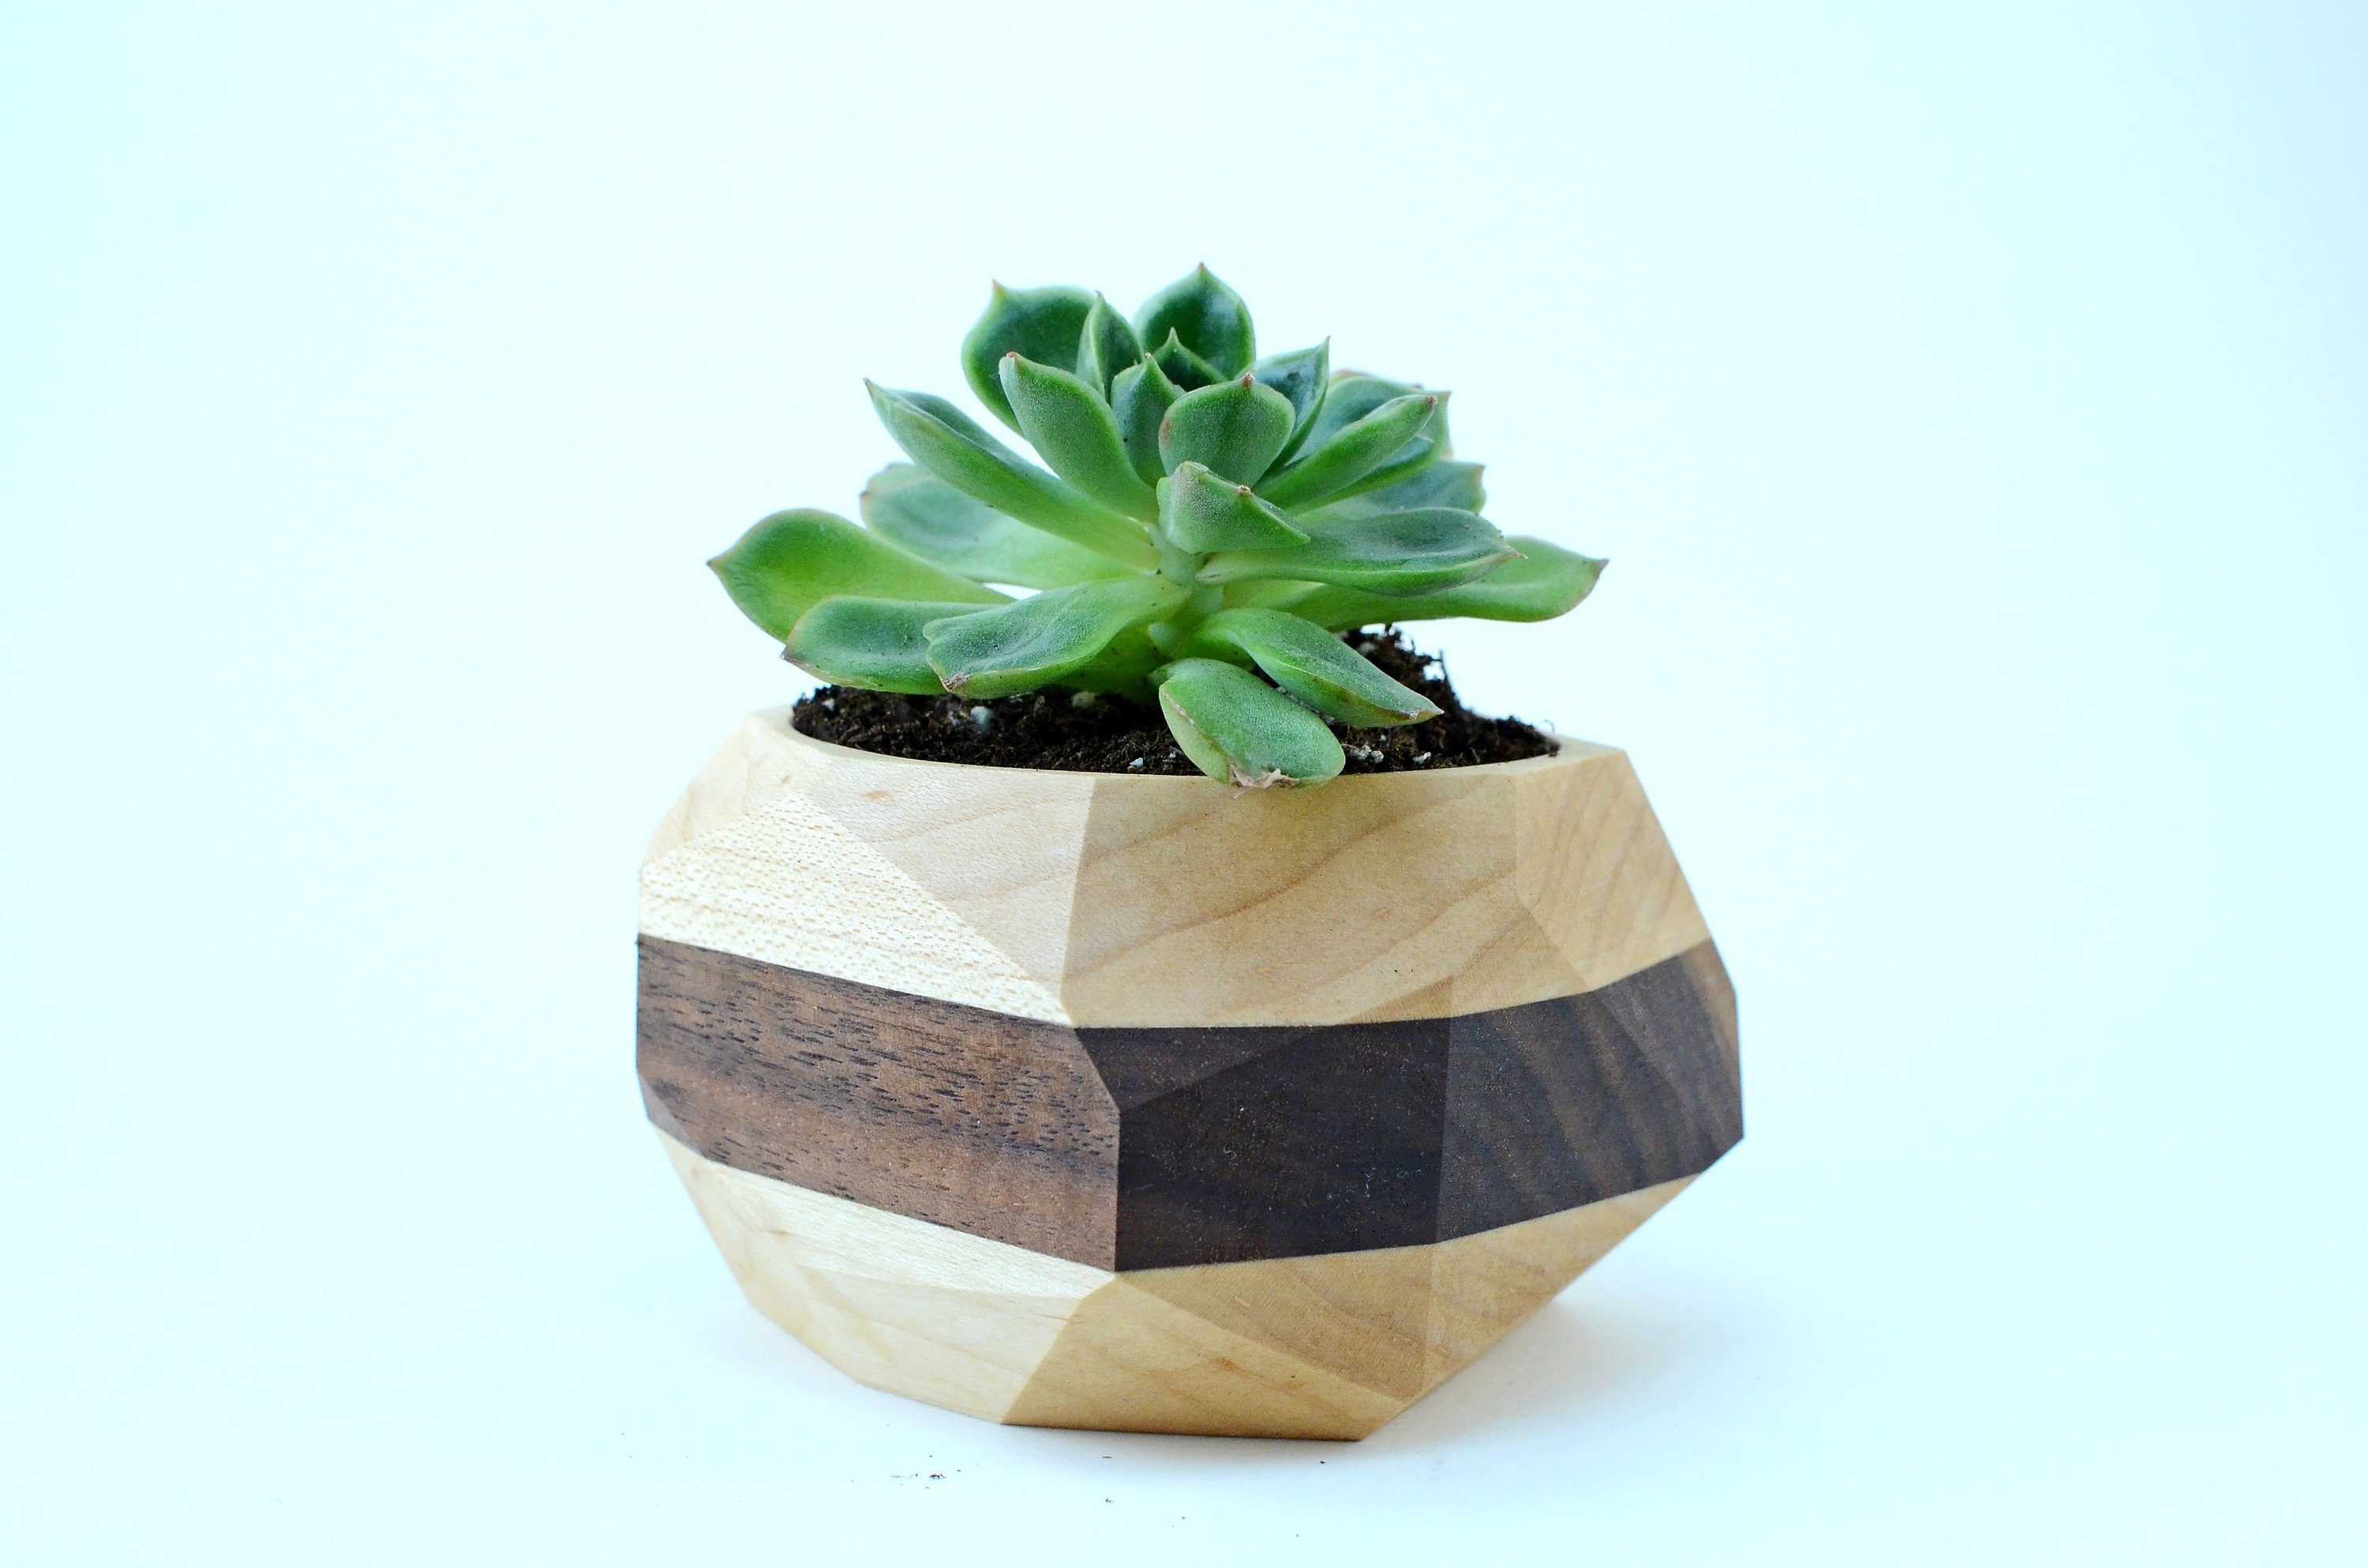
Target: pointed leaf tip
1041	323
1106	346
1187	369
1211	321
1369	450
1233	427
1201	512
1140	397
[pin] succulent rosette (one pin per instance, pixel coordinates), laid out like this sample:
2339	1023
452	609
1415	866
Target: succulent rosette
1204	525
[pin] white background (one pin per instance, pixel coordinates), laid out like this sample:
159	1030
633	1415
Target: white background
1972	409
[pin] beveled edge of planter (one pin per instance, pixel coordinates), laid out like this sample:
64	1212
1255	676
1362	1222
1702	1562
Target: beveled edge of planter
1110	900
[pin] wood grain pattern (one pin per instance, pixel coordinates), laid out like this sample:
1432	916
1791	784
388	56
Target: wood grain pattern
1152	1104
1711	984
786	880
1568	1102
1306	1347
967	1117
1391	1133
1377	896
1113	902
1311	1348
897	1302
1150	1148
1328	1140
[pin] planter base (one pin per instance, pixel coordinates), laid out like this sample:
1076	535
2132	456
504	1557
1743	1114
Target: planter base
1321	1346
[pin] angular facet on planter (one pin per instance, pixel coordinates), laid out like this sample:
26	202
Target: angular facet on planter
1329	1347
1167	1074
1109	901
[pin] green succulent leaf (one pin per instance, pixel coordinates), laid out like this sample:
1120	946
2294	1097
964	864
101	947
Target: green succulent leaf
1301	376
1141	397
949	444
911	508
1399	553
873	643
1313	665
1073	429
1237	729
1043	324
1106	346
1199	512
1353	394
1445	483
1210	318
1354	452
1033	641
783	565
1415	456
1234	429
1186	369
1545	581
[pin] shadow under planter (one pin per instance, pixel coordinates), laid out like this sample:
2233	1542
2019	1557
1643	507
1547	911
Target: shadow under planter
1317	1186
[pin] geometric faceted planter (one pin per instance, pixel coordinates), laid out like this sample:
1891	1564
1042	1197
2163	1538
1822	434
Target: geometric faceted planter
1154	1103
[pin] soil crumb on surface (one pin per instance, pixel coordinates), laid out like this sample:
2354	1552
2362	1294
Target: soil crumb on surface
1048	729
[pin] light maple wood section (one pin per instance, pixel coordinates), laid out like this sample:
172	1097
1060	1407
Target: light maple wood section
1376	896
950	883
1597	874
1324	1347
1100	899
899	1303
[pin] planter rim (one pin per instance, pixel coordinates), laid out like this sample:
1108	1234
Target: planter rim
1565	748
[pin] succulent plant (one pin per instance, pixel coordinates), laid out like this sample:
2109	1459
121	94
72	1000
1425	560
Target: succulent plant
1211	523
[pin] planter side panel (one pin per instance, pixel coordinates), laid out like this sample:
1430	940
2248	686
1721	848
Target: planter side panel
978	1120
1376	897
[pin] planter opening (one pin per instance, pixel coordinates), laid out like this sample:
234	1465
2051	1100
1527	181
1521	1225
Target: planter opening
1108	734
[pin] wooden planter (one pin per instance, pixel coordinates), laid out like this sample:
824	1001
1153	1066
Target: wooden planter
1152	1104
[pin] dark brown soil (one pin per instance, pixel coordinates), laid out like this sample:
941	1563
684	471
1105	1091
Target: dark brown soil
1050	729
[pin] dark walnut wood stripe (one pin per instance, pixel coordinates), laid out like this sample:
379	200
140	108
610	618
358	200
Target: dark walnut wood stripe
975	1120
1345	1137
1147	1148
1562	1103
